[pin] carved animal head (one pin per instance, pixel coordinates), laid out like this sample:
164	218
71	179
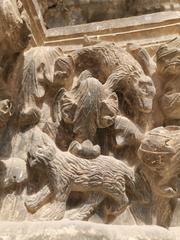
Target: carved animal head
38	157
170	100
6	111
159	153
63	72
133	87
168	60
159	149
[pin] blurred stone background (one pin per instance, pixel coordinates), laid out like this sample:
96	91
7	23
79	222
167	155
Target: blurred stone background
58	13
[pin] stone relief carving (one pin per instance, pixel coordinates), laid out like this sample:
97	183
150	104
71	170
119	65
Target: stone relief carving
168	68
123	75
88	106
77	131
66	172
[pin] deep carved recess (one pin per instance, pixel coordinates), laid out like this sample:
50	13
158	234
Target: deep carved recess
94	132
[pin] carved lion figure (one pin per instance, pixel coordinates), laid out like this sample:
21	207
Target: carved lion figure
122	74
65	172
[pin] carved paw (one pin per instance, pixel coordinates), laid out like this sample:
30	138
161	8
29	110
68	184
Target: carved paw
31	204
53	212
78	214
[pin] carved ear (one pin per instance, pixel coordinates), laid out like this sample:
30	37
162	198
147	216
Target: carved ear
117	81
84	75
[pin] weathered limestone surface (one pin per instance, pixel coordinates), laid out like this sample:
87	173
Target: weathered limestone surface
89	135
64	13
76	230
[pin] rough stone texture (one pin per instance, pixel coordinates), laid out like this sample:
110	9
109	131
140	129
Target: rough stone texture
76	230
90	135
61	13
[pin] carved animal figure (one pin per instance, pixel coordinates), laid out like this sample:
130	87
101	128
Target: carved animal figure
159	152
122	74
88	106
168	68
65	173
167	58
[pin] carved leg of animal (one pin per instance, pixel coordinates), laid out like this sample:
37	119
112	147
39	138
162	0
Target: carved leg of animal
54	211
36	201
85	210
142	213
57	209
112	210
164	211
